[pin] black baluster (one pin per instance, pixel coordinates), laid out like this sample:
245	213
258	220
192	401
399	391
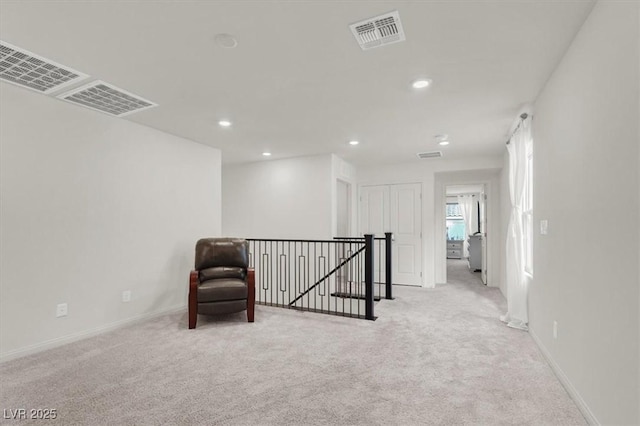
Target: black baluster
368	277
388	236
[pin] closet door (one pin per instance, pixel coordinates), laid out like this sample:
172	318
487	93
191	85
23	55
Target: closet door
396	209
374	210
406	225
374	219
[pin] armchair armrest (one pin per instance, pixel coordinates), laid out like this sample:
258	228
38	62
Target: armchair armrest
193	298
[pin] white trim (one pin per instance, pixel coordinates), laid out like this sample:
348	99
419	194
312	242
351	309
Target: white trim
564	380
440	226
59	341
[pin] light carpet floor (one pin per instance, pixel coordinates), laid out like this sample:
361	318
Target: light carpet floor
434	356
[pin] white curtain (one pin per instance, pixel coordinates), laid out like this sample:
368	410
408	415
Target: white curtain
517	315
465	203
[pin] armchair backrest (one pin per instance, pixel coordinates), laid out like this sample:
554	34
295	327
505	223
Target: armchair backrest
222	252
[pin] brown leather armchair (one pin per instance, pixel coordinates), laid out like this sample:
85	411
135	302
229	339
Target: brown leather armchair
222	281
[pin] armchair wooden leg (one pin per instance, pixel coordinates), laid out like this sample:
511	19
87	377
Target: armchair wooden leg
250	310
251	295
193	299
193	318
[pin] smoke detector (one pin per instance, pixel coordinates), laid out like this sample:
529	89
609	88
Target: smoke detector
107	98
430	154
226	41
378	31
26	69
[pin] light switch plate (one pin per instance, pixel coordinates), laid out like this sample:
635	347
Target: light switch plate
61	310
544	227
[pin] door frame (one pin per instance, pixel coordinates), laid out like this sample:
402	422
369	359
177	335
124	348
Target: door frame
492	202
482	201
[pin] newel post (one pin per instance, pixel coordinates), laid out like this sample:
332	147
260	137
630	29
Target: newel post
388	237
368	277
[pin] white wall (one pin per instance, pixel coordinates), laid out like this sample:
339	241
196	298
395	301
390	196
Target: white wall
91	206
424	171
586	164
290	198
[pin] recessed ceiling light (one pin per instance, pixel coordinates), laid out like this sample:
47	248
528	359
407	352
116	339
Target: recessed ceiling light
266	154
353	142
224	123
421	83
442	139
226	41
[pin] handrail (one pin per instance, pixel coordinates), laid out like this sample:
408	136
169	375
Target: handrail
337	268
355	240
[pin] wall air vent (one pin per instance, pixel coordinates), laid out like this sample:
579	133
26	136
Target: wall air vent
430	154
107	98
378	31
26	69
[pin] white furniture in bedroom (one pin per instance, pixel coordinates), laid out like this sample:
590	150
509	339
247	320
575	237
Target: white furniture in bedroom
454	249
475	252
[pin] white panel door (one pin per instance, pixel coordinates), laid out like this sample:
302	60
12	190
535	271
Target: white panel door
406	225
374	210
374	219
396	209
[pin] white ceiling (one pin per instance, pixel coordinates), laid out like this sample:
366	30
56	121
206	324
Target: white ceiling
297	83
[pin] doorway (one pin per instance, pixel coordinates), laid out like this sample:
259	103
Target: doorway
343	208
466	222
396	209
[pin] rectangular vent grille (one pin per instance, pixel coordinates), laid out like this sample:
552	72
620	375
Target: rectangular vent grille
430	154
107	98
26	69
378	31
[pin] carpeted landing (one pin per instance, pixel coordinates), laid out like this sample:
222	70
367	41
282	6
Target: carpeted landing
434	356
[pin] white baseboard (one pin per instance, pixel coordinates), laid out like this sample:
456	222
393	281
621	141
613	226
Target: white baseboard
59	341
571	390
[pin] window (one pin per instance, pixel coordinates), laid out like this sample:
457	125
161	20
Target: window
527	210
453	211
455	223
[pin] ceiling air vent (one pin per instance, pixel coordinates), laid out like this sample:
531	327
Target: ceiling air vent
430	154
26	69
378	31
107	98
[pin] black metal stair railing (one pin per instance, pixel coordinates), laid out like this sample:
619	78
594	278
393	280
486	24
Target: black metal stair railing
383	264
327	276
333	271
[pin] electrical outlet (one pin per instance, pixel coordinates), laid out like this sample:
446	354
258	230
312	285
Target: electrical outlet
544	227
555	329
126	296
61	310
